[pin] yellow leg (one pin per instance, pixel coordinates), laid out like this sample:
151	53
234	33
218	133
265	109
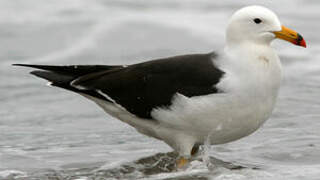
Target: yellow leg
182	162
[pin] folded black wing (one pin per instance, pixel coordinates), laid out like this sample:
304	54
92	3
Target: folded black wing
141	87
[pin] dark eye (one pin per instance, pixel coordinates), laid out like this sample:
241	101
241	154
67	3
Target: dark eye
257	20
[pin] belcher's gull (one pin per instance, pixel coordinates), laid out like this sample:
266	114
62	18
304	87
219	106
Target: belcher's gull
183	99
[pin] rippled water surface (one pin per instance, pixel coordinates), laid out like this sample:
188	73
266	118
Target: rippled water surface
48	133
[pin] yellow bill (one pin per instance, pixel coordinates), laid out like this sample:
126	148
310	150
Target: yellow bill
291	36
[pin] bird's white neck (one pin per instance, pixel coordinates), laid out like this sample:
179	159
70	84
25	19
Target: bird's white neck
249	47
256	66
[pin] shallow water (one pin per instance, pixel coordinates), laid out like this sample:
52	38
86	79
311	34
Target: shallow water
48	133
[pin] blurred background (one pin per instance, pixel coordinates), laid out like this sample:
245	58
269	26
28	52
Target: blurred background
48	133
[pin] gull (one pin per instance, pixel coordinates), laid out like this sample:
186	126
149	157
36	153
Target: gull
182	100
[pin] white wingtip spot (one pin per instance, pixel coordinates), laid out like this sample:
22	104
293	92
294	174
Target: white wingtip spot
79	87
72	83
105	95
49	84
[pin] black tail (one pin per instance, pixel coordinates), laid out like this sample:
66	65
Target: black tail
62	76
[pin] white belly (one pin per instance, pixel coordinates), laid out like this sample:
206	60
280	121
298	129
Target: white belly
222	116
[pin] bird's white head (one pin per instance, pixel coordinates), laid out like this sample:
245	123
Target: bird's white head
258	24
